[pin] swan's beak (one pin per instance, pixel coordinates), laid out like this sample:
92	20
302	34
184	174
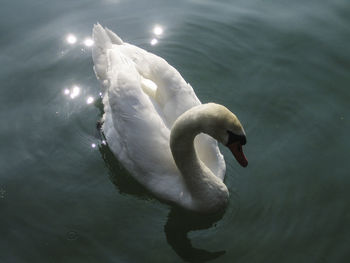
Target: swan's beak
236	149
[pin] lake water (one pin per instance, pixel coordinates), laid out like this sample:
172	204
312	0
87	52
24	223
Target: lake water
282	66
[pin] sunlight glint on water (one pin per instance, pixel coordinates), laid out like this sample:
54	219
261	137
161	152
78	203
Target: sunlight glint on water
283	68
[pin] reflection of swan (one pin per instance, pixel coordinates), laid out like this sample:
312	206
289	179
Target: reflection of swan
151	119
180	222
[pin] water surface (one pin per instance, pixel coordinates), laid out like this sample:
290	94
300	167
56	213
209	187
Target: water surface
282	67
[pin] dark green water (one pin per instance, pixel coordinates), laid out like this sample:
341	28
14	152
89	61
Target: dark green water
282	66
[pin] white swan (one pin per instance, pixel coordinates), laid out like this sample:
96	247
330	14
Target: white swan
151	122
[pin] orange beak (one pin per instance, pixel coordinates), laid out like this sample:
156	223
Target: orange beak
236	149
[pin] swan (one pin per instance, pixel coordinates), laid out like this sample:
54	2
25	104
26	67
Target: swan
158	129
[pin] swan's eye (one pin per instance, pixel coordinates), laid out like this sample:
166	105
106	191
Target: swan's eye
232	138
243	140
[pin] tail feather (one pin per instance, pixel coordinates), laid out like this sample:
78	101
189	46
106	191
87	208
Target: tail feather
103	40
113	37
100	37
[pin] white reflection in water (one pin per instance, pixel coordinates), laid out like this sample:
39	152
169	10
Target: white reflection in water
158	30
71	39
88	42
154	41
66	91
75	92
93	145
90	100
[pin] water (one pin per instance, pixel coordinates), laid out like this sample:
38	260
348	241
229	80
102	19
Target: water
282	67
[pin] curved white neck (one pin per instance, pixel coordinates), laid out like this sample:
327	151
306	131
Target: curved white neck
206	189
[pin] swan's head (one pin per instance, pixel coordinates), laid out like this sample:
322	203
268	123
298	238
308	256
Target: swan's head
216	121
225	127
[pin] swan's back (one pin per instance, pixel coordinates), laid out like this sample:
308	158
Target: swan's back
143	95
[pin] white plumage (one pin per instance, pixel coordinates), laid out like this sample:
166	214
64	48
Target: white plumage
143	96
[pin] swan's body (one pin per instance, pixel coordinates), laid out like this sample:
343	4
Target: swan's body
151	120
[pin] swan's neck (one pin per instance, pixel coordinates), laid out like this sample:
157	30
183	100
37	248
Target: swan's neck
207	190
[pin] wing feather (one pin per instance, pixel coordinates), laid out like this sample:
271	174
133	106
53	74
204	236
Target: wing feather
145	135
